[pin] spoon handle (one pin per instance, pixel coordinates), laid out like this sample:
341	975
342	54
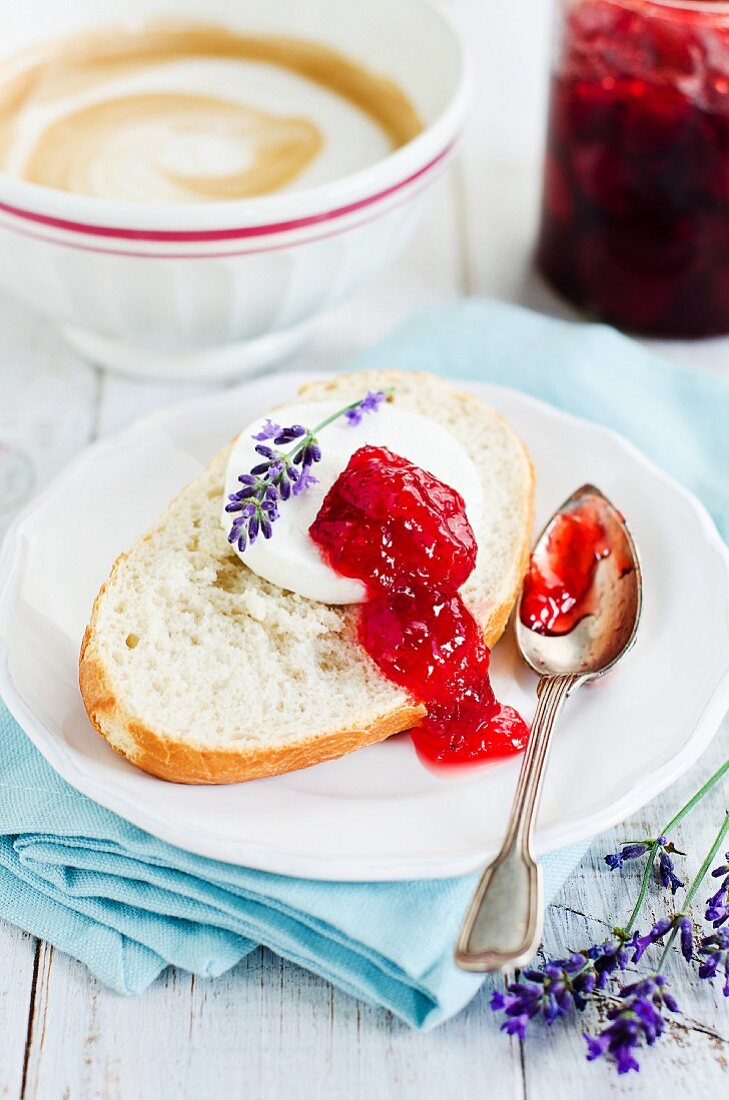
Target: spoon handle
503	925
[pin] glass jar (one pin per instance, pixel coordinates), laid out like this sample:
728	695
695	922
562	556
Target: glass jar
635	214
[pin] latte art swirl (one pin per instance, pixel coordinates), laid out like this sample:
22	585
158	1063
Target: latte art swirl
193	114
156	146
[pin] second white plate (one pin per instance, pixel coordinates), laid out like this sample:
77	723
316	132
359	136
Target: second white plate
377	814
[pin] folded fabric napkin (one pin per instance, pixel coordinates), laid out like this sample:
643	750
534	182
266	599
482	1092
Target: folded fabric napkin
128	905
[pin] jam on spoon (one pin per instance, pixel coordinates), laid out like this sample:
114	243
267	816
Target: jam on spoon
559	588
406	536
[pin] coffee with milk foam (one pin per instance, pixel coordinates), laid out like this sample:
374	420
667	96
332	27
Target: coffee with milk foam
192	113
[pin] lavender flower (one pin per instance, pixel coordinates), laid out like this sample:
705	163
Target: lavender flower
718	904
666	875
288	435
640	944
661	928
562	984
305	481
686	938
714	950
549	992
308	453
369	403
268	431
636	1019
521	1002
268	483
608	957
282	474
637	848
615	860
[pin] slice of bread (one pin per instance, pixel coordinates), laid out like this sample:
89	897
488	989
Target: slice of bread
199	671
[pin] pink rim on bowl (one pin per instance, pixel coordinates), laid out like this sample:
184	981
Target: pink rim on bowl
181	235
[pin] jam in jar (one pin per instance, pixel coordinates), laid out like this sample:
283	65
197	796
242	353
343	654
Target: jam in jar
635	215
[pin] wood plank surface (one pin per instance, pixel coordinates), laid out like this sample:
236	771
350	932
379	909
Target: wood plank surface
18	961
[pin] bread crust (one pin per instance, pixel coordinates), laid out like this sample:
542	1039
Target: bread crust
181	762
184	762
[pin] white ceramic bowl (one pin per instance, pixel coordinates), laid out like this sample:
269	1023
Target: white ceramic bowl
216	289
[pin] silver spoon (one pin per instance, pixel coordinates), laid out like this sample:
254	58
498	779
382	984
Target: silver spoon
503	925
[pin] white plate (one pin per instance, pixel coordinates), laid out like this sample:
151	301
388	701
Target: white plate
378	813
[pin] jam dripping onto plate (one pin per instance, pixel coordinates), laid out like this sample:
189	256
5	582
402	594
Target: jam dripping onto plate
406	536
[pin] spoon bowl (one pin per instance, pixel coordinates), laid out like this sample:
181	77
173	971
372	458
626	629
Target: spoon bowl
598	641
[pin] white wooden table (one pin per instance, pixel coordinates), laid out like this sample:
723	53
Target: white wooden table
268	1029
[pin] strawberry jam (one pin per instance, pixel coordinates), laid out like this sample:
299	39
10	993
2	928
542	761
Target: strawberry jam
558	587
635	215
405	535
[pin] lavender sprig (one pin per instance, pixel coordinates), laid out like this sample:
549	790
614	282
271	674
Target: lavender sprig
637	1014
676	820
693	888
283	474
610	956
631	850
558	987
369	403
676	923
550	992
667	877
637	1018
714	948
635	849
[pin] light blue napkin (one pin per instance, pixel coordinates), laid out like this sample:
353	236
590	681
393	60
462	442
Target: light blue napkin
128	905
